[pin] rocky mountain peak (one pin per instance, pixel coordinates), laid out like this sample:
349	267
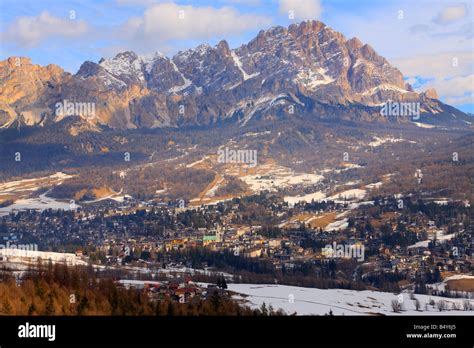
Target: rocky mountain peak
280	66
223	47
14	62
354	44
129	56
307	27
431	93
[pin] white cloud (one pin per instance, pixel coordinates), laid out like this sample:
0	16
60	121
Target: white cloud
31	31
424	52
136	2
438	65
451	14
456	88
165	22
243	2
451	74
460	100
301	9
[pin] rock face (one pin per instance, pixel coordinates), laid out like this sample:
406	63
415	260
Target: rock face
430	93
26	90
307	68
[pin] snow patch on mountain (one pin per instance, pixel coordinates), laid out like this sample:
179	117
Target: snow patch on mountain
385	87
186	84
149	60
312	79
239	65
121	66
377	141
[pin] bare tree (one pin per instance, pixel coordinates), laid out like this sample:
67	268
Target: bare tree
396	306
417	304
441	305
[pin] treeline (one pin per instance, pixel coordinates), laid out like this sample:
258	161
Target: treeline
234	186
141	182
246	270
60	290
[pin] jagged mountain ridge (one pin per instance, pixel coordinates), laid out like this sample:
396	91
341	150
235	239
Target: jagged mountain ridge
307	66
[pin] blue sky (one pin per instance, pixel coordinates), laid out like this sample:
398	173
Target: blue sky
430	41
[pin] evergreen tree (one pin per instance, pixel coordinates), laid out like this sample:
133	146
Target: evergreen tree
49	310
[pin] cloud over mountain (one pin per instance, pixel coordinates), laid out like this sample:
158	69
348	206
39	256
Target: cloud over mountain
162	23
32	31
301	9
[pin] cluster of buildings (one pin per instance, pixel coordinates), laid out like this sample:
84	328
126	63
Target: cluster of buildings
181	290
134	234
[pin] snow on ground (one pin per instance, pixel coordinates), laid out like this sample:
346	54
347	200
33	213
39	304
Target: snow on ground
22	190
32	184
31	256
121	199
272	177
423	125
116	196
424	243
352	166
38	203
316	196
347	167
348	195
380	141
350	183
256	134
354	194
337	225
310	301
190	165
374	185
356	205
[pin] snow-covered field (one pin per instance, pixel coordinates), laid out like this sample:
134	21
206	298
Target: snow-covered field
355	194
316	196
441	238
271	177
336	225
32	184
26	257
38	203
23	189
348	195
310	301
